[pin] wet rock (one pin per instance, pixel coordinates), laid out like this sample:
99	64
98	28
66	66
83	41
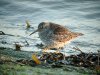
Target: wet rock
52	57
32	63
18	47
1	62
2	33
26	62
82	60
56	66
3	42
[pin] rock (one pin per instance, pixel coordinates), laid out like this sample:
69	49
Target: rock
2	33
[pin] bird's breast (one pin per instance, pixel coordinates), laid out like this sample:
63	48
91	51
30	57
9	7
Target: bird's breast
45	36
50	39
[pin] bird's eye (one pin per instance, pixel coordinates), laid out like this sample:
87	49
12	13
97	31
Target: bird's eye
41	26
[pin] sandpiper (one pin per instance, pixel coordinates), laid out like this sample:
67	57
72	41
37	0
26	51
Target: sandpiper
55	35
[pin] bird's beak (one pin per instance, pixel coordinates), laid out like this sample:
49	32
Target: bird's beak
34	31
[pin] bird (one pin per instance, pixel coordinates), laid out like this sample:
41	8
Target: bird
55	35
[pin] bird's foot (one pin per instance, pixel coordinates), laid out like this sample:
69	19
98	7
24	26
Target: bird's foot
61	48
45	49
58	51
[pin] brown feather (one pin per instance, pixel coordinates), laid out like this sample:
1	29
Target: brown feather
58	29
62	34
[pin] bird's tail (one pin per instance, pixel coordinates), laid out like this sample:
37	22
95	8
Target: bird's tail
79	34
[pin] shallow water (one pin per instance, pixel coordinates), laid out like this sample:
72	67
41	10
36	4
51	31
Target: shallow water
78	15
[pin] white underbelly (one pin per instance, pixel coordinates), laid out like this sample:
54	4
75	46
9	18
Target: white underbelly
49	42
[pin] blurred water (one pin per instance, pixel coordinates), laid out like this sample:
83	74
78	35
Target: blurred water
78	15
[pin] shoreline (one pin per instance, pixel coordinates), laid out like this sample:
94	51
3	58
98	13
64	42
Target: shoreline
10	57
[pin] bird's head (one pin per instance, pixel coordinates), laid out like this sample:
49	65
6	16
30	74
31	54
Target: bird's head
41	26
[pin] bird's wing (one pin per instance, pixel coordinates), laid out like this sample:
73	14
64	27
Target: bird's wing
58	29
61	34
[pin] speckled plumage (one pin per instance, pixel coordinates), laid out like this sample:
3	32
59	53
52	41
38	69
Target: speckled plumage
54	35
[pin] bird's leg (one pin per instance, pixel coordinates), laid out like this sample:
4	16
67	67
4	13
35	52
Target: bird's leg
58	50
45	48
61	47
